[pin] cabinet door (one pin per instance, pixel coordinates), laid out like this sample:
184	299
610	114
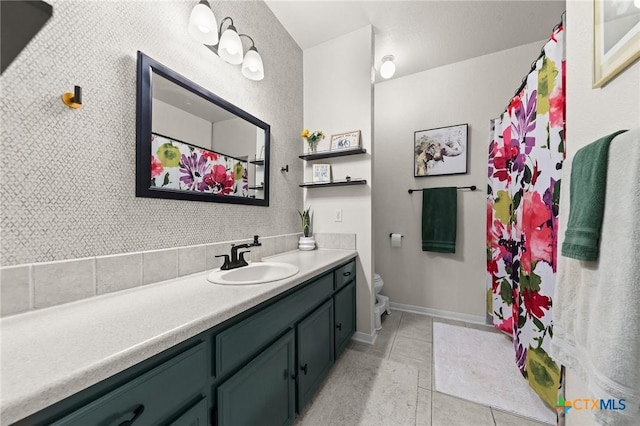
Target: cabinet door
345	319
195	416
315	351
263	392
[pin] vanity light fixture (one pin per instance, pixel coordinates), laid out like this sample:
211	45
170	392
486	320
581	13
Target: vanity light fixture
388	68
203	27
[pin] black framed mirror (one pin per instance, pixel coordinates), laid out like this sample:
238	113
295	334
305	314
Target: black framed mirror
193	145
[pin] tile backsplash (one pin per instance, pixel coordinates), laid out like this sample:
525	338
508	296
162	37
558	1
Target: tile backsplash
40	285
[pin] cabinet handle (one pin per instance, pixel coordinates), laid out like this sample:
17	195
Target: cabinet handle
339	326
136	413
304	369
346	274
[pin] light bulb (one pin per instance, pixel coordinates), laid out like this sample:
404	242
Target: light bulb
388	68
203	25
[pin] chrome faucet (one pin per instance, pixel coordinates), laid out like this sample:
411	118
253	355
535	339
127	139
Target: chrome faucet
237	260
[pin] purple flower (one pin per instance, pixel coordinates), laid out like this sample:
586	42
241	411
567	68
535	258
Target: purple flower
521	354
194	169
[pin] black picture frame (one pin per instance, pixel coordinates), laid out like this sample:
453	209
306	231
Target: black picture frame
146	68
431	147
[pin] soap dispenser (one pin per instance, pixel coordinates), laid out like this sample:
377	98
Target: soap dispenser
256	250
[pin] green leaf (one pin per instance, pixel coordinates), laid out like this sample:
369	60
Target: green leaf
516	199
166	180
561	146
538	323
527	174
530	282
506	292
521	321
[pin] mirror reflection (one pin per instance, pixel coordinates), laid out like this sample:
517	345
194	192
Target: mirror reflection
200	146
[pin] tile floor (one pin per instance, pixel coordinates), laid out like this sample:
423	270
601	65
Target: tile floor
391	383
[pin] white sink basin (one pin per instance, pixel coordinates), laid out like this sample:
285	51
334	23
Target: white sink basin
255	273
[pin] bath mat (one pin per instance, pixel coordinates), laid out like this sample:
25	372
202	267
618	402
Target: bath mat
479	366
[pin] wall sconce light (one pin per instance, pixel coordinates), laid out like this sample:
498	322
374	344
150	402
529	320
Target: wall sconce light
73	100
388	68
204	28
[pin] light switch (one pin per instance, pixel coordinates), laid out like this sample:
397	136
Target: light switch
338	216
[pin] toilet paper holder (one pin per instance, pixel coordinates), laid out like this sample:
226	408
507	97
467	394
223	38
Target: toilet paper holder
401	236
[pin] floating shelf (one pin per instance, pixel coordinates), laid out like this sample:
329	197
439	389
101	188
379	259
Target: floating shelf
334	183
329	154
257	162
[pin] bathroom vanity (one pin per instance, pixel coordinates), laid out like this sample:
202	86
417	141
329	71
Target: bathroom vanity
183	352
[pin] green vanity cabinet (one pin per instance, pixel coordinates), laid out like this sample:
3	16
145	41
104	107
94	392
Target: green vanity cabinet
152	398
195	416
315	351
263	392
257	368
345	316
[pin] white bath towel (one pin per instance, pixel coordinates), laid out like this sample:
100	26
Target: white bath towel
596	306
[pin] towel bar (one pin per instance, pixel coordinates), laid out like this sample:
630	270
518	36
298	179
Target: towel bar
471	188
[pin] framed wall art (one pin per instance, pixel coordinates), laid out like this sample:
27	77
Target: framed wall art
349	140
440	151
321	173
616	38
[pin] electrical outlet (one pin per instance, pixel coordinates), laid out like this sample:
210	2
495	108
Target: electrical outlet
338	215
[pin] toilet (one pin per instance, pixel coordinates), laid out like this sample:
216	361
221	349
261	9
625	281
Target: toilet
382	302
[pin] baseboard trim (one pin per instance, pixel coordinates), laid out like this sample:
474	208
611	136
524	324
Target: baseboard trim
369	339
439	313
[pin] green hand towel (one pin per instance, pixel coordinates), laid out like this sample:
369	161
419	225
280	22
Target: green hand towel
439	211
586	199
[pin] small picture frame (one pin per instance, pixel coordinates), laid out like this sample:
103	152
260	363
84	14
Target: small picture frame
349	140
321	173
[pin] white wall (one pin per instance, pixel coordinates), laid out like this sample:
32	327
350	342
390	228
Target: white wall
591	114
473	92
176	123
338	97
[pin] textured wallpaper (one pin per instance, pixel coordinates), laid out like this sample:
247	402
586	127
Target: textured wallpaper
68	176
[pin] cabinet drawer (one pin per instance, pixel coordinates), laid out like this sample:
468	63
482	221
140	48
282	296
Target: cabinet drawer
237	344
160	392
345	274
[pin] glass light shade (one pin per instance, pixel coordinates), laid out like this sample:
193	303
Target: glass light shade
230	47
252	67
203	25
637	3
388	68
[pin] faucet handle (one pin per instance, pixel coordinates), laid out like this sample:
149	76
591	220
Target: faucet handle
226	263
255	241
242	261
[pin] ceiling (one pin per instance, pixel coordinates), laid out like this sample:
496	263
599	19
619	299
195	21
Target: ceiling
423	34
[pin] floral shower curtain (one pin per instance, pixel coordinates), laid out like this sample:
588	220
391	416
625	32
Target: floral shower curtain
525	161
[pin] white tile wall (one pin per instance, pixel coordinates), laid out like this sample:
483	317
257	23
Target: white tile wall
41	285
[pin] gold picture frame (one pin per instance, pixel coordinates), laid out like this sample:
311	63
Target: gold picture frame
616	39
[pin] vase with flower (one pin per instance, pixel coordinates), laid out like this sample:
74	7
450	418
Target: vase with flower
307	241
312	139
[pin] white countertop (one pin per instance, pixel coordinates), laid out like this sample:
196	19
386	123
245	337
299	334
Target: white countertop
53	353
